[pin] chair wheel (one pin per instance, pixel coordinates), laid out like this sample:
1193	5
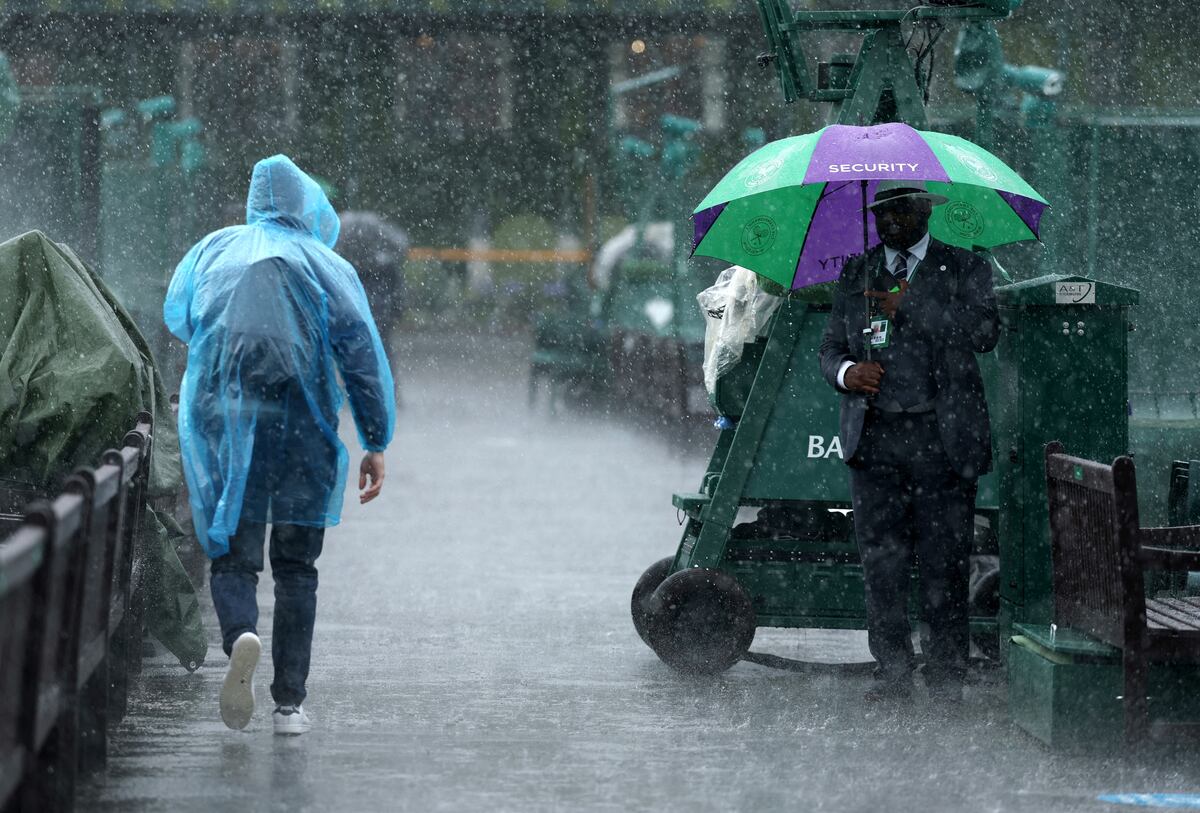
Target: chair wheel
701	621
645	587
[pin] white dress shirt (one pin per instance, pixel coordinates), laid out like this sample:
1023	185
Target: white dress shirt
918	250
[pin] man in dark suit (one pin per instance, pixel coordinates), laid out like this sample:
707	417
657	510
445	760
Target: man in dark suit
908	318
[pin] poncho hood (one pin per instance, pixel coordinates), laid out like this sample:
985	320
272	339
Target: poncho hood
281	193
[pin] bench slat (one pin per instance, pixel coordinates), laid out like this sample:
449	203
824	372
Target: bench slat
1158	618
1156	558
1187	609
1189	604
1161	615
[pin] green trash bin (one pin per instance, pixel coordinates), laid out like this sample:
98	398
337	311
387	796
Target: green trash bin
1063	375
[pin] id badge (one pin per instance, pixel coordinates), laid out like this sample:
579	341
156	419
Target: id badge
881	332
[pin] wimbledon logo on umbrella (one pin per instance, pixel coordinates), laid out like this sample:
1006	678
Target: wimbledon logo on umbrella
963	218
762	173
973	162
758	235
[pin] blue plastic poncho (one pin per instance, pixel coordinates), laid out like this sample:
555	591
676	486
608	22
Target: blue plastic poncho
271	315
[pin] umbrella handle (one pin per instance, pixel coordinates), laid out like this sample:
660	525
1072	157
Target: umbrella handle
866	271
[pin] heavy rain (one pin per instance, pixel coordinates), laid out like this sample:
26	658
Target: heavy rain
622	405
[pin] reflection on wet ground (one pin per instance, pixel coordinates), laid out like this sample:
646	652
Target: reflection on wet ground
474	652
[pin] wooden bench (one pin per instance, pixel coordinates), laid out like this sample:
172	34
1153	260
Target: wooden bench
1100	557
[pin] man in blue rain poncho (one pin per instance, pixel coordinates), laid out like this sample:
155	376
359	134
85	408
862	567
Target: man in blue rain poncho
271	316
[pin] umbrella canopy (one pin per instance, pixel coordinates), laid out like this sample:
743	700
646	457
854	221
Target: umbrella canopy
368	238
377	250
794	210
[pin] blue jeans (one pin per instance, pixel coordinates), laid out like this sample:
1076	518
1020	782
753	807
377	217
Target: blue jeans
294	552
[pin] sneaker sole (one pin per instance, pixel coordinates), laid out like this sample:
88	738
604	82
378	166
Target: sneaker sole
291	730
237	693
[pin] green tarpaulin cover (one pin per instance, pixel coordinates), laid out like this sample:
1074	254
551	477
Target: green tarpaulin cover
74	371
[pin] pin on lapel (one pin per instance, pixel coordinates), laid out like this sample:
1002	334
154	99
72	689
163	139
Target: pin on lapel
943	268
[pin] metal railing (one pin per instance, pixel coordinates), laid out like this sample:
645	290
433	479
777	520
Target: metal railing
70	627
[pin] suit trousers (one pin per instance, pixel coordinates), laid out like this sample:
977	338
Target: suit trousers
909	502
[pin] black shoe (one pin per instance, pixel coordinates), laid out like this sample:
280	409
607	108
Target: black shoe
889	691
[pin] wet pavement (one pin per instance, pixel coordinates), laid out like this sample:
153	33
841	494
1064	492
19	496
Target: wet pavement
474	651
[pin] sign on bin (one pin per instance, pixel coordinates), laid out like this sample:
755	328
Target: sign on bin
1074	293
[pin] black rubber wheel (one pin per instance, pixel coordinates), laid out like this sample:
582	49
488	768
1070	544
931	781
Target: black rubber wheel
646	585
701	621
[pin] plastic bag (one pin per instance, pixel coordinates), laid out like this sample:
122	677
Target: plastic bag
736	309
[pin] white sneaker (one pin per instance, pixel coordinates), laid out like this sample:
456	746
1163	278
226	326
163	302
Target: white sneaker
291	720
237	694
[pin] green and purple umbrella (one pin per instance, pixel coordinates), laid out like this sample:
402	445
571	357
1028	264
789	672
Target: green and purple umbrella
794	210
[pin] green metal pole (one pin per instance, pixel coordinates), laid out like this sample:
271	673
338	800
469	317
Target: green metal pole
1093	226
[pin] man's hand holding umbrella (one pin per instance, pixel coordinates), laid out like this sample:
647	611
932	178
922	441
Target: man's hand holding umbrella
866	376
889	301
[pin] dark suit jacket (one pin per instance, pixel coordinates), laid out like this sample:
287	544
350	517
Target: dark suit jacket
952	306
